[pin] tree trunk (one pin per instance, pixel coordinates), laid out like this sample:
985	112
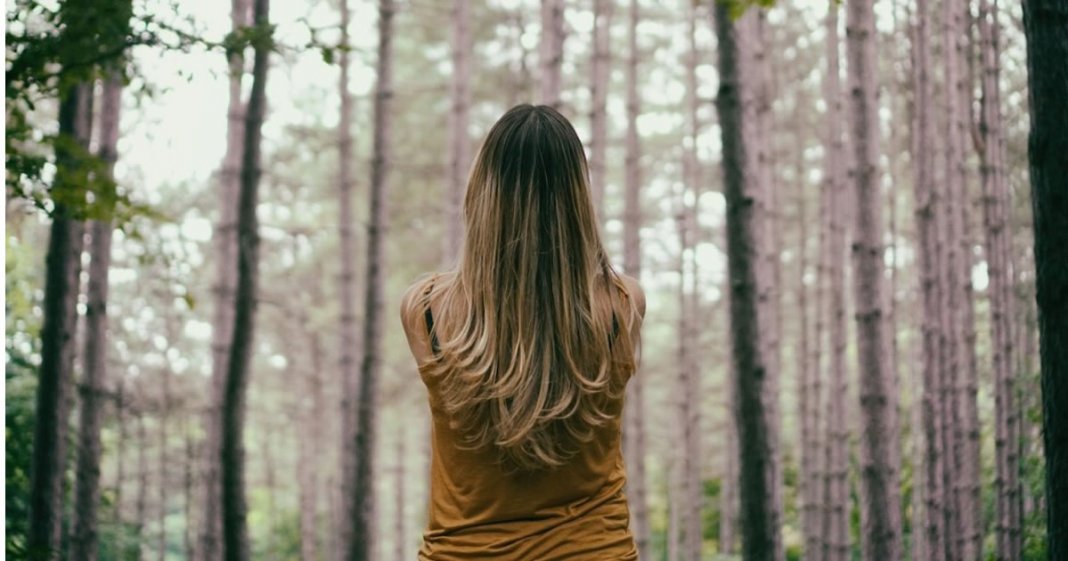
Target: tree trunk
164	488
995	222
728	506
966	420
400	537
879	455
743	250
62	270
225	241
634	416
362	514
190	462
689	379
310	414
120	466
1046	28
347	335
810	406
459	121
234	508
926	211
834	491
601	62
84	545
142	486
551	51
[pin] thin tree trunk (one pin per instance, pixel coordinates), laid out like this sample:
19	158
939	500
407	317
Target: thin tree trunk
84	545
810	404
142	486
120	467
601	63
634	416
689	382
225	240
743	250
62	270
729	507
231	461
996	224
551	51
926	211
400	536
164	489
347	330
879	455
190	462
954	475
755	36
834	492
362	514
459	139
310	414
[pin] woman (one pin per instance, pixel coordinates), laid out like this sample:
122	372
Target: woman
525	350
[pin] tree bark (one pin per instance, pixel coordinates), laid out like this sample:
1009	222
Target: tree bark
347	330
459	121
234	507
995	222
362	513
834	491
400	537
689	384
311	416
601	63
1046	28
551	51
62	270
926	211
85	542
879	455
634	416
743	232
225	241
120	465
142	486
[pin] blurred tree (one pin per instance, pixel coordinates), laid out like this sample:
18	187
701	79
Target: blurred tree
758	511
363	510
459	124
834	541
634	421
551	51
990	144
879	456
1046	29
84	542
600	63
927	208
63	267
224	238
235	542
346	289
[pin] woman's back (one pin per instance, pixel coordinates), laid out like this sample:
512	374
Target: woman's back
481	509
526	349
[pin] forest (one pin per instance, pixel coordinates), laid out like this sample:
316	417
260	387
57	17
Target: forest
850	220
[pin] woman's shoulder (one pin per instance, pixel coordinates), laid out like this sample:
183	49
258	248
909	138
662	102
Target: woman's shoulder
417	296
634	291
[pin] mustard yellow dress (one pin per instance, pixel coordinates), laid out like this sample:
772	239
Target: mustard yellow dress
479	510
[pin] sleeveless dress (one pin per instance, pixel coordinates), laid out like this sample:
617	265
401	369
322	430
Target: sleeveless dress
478	510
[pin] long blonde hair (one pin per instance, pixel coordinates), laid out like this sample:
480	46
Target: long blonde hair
533	336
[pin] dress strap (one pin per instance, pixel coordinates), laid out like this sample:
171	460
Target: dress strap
428	316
